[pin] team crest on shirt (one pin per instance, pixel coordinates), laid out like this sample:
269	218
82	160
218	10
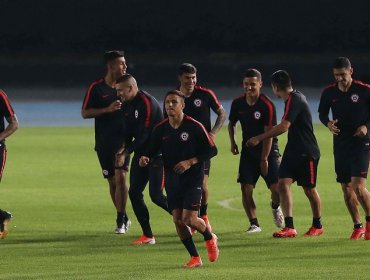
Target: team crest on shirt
257	115
198	102
355	98
184	136
136	114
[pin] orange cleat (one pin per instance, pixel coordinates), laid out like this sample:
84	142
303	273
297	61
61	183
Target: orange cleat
357	233
144	240
285	232
212	248
194	262
367	231
205	219
314	231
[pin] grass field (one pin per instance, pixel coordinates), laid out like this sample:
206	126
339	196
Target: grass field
64	219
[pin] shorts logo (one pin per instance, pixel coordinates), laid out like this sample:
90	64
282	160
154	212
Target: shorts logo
354	98
184	136
198	102
105	172
257	115
136	114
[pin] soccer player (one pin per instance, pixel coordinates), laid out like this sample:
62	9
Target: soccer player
256	114
198	104
102	104
185	146
142	112
6	112
349	102
301	155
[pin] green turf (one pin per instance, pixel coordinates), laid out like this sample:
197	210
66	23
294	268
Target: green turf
63	221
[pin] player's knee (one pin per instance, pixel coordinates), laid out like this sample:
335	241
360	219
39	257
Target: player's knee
187	220
178	222
156	198
134	195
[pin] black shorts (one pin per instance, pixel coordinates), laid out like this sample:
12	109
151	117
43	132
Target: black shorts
2	158
351	162
183	191
250	171
300	168
207	167
107	159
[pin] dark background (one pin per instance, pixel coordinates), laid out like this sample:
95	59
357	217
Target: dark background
60	43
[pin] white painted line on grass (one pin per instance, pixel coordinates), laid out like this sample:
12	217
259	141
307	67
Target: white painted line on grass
226	204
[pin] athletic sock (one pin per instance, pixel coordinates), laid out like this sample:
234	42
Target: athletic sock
358	225
120	218
203	210
206	234
274	206
254	222
316	222
190	246
367	218
289	222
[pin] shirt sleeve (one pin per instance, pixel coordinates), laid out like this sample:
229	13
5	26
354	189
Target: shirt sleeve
143	128
233	115
91	97
214	103
5	106
270	116
293	107
207	148
324	108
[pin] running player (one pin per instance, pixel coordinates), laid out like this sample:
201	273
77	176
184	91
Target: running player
301	155
256	114
199	101
102	104
6	112
185	146
142	112
349	102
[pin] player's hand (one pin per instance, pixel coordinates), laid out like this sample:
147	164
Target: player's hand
361	131
254	141
234	149
212	135
264	166
114	106
143	161
332	125
182	166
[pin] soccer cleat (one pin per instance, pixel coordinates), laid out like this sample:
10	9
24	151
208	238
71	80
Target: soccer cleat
212	248
367	231
194	262
314	231
127	225
254	229
285	233
144	240
357	233
205	219
278	216
4	223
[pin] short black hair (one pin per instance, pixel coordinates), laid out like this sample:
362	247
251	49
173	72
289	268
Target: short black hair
251	73
341	62
187	68
112	55
281	79
124	78
175	92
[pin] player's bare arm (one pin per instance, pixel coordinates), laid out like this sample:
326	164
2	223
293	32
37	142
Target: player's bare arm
184	165
266	148
11	128
221	117
232	132
97	112
273	132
